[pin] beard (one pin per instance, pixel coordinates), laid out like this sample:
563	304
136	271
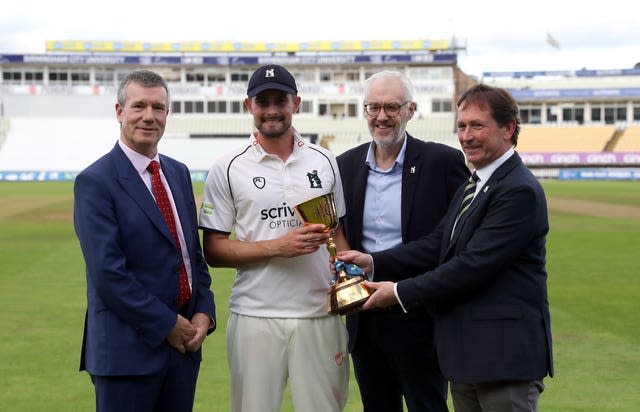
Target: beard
391	140
273	128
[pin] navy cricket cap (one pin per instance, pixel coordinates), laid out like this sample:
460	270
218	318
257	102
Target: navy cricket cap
271	76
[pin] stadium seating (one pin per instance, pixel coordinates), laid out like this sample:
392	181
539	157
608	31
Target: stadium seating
336	134
56	143
4	129
562	138
72	143
629	141
184	126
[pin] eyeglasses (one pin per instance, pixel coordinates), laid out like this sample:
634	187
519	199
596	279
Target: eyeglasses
392	109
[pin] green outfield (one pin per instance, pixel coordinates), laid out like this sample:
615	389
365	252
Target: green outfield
594	292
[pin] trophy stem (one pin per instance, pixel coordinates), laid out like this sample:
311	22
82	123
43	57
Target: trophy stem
331	247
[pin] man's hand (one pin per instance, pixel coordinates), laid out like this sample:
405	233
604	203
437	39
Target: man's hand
201	322
182	332
365	261
303	240
383	295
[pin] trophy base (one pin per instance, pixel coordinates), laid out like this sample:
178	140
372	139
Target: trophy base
347	297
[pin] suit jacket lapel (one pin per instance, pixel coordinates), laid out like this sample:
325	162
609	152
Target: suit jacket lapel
410	175
134	186
480	198
172	174
451	217
360	188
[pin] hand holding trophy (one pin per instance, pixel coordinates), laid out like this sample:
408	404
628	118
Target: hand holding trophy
347	291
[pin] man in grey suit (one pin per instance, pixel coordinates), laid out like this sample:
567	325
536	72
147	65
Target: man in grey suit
396	189
485	279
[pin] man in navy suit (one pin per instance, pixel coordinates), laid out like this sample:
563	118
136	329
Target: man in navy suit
486	278
396	188
141	346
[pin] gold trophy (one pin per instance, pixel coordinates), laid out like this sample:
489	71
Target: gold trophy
347	292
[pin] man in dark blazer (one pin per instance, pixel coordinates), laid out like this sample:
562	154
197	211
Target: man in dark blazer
141	347
396	188
486	278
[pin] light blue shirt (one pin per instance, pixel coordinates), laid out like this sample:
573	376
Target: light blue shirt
382	223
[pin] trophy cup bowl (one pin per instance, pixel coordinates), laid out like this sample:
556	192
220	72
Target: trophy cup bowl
346	293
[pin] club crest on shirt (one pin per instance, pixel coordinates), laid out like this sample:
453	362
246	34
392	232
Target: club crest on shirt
259	182
339	358
314	180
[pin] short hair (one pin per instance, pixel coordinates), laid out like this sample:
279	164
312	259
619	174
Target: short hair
390	74
498	101
145	78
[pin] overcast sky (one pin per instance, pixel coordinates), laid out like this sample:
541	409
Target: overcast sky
499	35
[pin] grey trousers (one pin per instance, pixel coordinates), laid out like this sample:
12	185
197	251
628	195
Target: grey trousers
497	396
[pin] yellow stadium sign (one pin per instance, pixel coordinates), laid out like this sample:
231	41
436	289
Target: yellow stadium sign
245	47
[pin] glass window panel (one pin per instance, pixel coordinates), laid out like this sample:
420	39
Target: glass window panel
536	116
552	114
352	109
609	115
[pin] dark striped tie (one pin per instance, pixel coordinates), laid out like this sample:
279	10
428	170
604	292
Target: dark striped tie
467	197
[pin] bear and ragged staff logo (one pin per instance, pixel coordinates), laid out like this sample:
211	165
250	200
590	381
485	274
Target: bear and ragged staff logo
314	180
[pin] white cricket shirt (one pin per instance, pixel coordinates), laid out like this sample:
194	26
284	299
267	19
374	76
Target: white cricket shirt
254	193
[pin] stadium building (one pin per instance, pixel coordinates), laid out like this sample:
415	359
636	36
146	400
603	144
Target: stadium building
577	124
57	108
